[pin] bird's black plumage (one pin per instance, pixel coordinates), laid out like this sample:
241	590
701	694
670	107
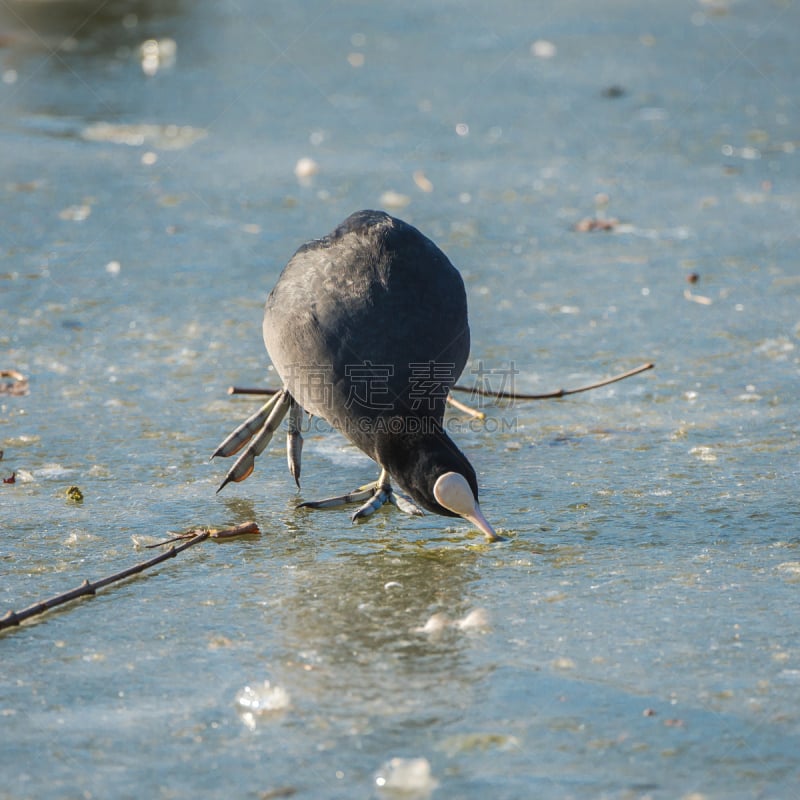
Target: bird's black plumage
367	327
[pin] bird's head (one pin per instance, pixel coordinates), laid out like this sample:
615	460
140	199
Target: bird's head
439	478
452	492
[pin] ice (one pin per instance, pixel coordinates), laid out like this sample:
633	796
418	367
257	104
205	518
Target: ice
475	620
165	137
406	777
261	701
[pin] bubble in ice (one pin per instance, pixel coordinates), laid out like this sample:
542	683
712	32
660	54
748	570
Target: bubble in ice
164	137
406	777
476	620
703	453
306	168
260	701
50	472
394	200
541	48
76	213
435	624
156	54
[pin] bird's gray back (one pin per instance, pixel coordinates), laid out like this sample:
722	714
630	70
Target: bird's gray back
369	320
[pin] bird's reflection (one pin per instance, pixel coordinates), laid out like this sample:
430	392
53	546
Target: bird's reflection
354	634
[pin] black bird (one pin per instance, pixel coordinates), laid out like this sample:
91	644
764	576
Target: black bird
367	328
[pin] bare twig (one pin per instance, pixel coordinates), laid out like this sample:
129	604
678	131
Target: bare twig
227	533
552	395
13	374
494	395
252	390
266	392
88	588
473	412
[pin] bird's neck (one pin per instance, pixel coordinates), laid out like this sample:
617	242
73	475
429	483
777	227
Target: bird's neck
415	453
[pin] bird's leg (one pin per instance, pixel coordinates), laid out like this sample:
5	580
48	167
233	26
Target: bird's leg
245	463
294	440
380	495
376	494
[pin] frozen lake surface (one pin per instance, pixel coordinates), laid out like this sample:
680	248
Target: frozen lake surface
637	635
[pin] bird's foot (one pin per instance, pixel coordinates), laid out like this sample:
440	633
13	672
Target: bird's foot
358	496
379	497
249	428
405	504
381	494
256	433
372	496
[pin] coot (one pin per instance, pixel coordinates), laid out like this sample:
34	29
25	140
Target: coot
367	328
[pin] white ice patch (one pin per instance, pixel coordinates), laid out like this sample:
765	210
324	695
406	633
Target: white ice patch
406	777
260	702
